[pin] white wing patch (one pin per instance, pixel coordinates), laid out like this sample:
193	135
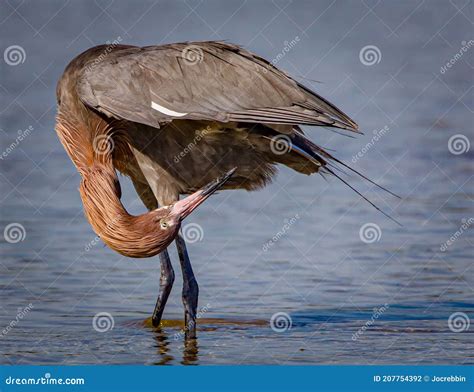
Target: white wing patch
166	111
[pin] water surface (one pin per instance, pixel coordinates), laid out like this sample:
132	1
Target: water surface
292	251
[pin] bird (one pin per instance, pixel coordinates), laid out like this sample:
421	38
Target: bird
183	119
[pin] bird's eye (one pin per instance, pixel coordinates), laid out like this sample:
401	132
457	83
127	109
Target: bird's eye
163	224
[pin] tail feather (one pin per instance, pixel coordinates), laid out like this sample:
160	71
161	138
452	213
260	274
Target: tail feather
327	163
361	195
333	158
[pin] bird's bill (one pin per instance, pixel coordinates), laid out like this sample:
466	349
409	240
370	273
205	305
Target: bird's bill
183	208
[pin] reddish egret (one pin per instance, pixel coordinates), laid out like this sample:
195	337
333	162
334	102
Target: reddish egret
173	118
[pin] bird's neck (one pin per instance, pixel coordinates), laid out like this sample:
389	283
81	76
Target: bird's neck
132	236
92	147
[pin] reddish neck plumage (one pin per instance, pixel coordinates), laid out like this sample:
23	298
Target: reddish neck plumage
132	236
91	149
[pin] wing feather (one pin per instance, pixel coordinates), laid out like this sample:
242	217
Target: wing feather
226	83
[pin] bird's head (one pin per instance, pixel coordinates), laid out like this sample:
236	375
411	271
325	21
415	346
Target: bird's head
139	236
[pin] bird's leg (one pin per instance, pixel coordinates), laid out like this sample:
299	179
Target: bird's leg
190	289
166	283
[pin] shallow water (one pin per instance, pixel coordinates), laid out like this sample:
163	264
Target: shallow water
337	298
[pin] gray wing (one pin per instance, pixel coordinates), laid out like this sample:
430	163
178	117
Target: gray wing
202	81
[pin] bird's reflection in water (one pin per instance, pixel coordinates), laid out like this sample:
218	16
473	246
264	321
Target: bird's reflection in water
190	352
176	337
164	345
